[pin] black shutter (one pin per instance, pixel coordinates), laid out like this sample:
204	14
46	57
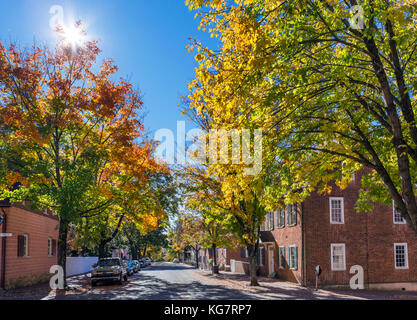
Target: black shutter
257	257
263	256
20	246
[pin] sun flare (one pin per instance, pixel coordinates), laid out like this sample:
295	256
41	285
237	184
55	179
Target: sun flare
73	36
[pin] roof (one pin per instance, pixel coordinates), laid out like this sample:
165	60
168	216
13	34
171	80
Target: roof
267	236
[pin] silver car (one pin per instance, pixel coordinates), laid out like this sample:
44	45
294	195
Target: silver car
109	269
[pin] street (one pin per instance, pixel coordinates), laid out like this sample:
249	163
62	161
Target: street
168	281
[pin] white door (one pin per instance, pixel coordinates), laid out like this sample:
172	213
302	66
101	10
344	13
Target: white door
271	260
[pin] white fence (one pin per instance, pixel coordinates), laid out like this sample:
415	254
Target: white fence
80	265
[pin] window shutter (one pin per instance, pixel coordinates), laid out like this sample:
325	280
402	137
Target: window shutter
295	214
289	256
263	256
54	247
20	246
257	257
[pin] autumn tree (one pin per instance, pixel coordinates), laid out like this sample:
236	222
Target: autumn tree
334	80
64	123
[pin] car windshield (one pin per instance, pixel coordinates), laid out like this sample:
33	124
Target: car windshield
109	263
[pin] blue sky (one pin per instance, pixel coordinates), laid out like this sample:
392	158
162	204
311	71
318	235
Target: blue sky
146	38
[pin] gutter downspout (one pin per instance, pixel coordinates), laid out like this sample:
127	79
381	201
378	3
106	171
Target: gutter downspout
303	249
3	251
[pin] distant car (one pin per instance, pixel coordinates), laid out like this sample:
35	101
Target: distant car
142	263
148	261
176	261
130	268
109	269
137	266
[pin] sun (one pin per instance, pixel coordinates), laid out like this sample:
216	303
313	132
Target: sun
73	36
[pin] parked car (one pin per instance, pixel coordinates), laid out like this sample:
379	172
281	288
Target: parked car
109	269
142	263
176	260
137	266
129	268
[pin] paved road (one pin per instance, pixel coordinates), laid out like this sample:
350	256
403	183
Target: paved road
168	281
161	281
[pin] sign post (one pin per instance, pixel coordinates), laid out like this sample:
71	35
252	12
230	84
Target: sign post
318	273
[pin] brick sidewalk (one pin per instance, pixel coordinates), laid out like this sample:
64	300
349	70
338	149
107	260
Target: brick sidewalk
271	288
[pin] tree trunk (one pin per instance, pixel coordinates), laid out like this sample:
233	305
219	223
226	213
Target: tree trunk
197	256
134	254
215	268
102	249
252	251
144	251
62	248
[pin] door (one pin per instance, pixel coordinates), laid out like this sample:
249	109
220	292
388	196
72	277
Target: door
271	260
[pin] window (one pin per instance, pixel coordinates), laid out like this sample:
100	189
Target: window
282	260
270	221
401	255
262	228
22	245
49	247
293	257
337	211
292	215
338	259
281	218
398	218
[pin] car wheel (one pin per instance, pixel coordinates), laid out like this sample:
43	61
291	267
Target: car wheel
125	277
120	281
93	283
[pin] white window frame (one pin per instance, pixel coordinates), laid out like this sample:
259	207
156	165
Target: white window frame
280	257
26	254
260	255
405	245
246	253
333	245
394	210
290	257
342	209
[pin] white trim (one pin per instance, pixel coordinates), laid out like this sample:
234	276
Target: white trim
260	255
26	254
342	209
393	215
333	245
405	245
271	265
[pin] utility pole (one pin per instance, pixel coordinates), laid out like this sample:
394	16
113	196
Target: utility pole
3	223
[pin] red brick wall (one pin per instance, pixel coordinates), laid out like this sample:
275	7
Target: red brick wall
285	237
369	240
39	228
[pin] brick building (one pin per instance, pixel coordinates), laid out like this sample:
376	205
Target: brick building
329	232
27	255
206	257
